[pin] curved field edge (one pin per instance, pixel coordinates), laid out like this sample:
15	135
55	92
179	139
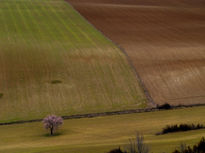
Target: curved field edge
164	40
43	42
140	81
99	135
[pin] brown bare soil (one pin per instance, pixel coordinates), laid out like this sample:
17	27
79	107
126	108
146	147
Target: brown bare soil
165	40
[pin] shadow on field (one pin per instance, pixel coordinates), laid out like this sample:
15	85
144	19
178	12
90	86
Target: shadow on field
54	135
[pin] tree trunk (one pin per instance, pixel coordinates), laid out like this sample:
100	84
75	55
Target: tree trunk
51	131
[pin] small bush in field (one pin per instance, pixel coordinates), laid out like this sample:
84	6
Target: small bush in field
116	151
164	106
52	122
56	81
1	95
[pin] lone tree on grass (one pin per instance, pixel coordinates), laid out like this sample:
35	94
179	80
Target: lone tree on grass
52	122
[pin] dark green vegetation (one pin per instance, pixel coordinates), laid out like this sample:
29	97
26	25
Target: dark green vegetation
56	81
198	148
1	95
181	127
164	106
101	134
53	61
118	150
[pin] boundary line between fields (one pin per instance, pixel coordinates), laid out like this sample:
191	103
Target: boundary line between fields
139	79
93	115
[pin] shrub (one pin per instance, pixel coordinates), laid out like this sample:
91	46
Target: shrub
116	151
164	106
181	127
137	145
1	95
52	122
198	148
56	81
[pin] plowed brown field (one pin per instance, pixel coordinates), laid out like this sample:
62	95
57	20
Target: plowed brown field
165	40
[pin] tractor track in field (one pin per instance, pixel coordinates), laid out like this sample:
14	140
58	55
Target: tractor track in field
103	114
140	81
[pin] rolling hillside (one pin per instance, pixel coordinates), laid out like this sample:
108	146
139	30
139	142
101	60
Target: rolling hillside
53	61
101	134
164	40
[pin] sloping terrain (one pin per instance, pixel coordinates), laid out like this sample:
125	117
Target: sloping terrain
165	40
53	61
101	134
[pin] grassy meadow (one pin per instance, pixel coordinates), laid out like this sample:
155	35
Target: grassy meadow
53	61
99	135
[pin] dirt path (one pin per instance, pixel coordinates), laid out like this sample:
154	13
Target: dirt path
165	41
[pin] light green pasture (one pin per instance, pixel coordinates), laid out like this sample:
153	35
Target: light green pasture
99	135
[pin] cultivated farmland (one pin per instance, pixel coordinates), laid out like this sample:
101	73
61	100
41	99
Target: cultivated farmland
53	61
165	40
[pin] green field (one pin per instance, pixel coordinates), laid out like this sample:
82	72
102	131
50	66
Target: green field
46	40
99	135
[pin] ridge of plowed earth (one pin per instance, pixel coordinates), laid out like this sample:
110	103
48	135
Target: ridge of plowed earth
165	40
54	61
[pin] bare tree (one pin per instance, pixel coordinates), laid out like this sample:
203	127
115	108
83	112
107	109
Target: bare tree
137	145
52	122
182	147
